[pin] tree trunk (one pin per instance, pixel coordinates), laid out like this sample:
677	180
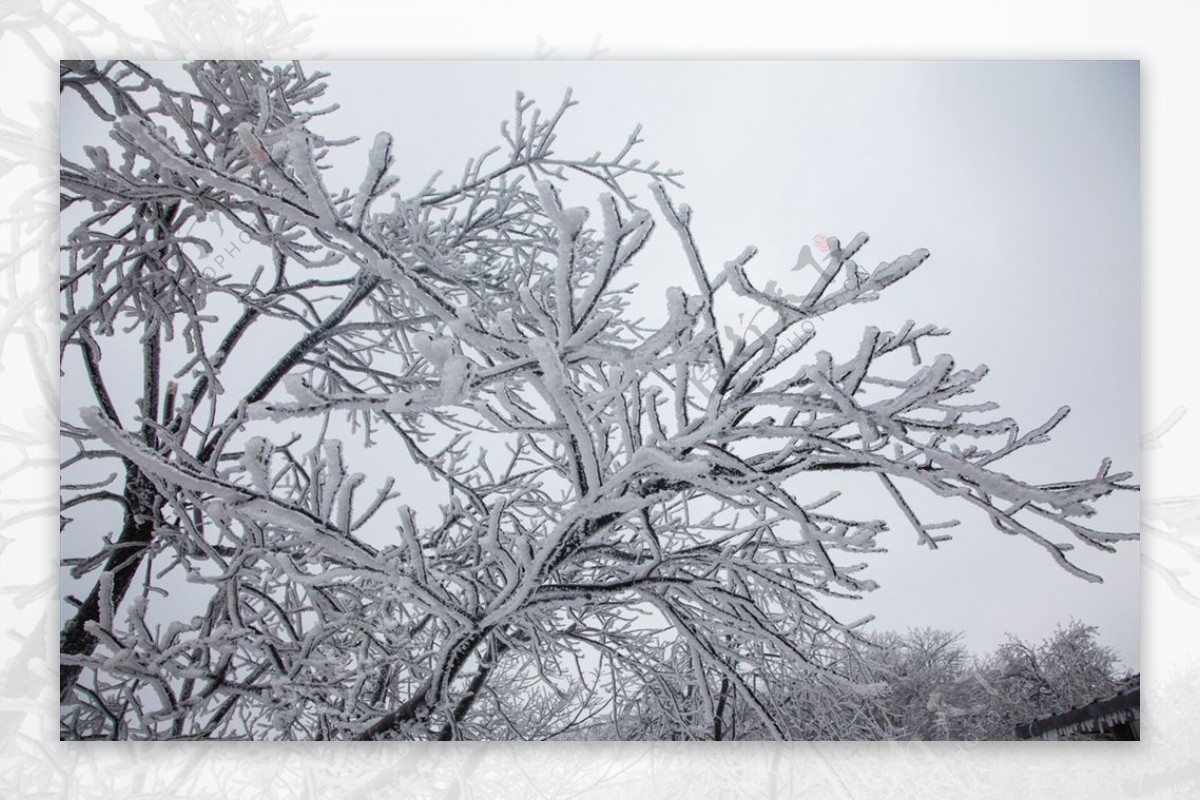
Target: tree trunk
141	518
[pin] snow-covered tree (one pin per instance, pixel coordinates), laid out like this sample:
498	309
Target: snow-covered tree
1024	680
360	463
926	685
932	689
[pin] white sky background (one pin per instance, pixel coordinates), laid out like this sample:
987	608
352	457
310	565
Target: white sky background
1021	178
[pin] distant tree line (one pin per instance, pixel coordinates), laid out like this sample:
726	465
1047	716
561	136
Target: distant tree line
924	684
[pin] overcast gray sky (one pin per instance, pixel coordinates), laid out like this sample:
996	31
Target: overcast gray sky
1021	178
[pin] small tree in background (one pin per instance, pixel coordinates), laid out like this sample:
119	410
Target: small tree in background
933	692
619	503
1024	680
